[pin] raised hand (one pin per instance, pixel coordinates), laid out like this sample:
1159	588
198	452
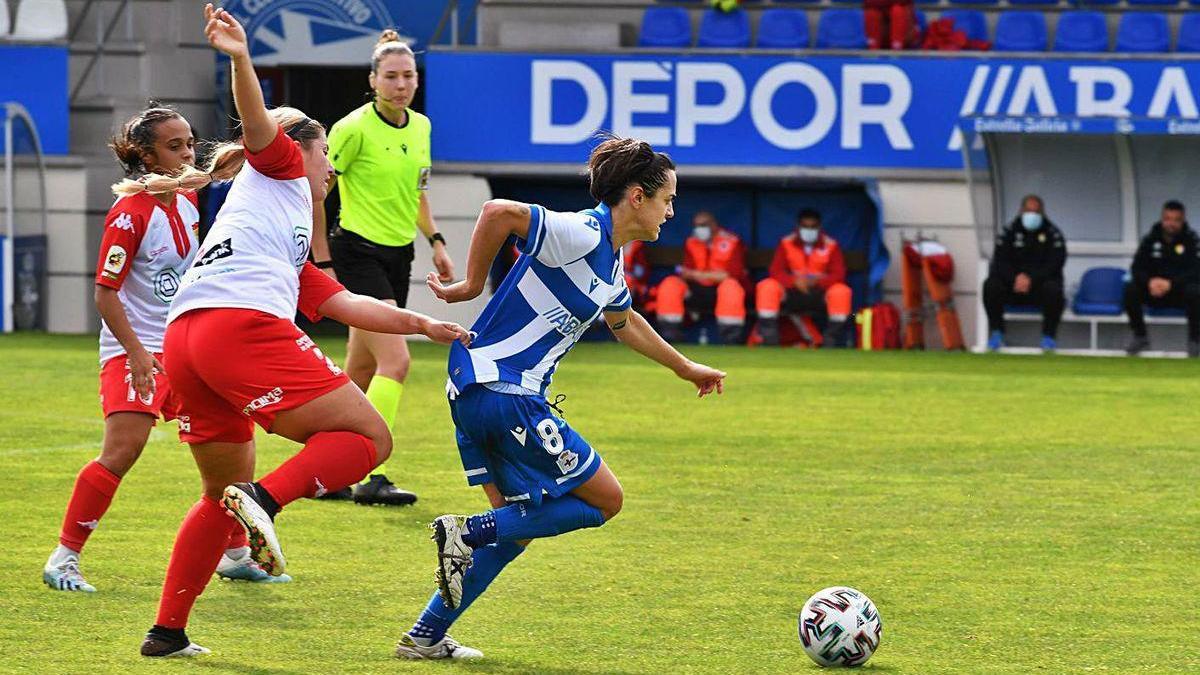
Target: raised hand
224	32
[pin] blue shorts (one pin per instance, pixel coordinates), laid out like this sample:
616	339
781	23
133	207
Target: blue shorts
517	443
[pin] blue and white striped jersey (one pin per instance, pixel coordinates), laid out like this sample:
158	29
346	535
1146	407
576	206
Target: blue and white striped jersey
566	275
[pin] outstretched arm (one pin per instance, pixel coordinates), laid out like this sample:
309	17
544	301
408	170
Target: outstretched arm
377	316
636	333
499	219
227	36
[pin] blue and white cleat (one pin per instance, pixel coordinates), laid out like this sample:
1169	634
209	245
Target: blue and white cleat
995	341
446	648
62	573
245	569
1049	344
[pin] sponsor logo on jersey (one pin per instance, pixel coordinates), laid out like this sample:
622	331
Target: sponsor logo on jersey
122	222
564	322
270	398
114	261
221	250
166	285
305	343
185	424
300	234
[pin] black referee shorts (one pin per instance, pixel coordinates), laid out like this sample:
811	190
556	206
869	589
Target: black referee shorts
367	268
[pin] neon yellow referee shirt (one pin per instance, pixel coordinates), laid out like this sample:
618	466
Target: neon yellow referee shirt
382	170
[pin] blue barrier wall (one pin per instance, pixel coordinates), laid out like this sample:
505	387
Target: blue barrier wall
36	77
773	110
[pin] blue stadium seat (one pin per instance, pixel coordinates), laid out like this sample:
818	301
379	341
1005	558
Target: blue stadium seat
1022	309
724	29
665	27
1033	2
1189	34
1101	292
1143	32
1081	32
1091	3
970	21
922	21
974	2
1153	2
841	29
1020	31
1166	311
783	29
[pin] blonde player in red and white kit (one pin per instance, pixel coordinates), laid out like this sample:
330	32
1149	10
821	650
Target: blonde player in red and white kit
148	243
235	357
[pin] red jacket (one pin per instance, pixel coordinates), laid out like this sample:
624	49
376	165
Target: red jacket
825	260
724	252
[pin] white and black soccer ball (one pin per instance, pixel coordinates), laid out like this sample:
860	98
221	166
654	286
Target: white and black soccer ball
840	626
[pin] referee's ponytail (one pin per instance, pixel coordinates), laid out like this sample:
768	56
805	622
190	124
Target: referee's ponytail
389	43
620	163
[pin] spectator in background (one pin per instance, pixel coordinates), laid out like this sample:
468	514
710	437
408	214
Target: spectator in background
1165	273
808	280
1027	269
637	276
890	24
710	282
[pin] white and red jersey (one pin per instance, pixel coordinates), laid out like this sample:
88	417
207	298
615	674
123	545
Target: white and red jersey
254	257
145	251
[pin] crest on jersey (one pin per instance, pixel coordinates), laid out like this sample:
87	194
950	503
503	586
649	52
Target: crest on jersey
114	261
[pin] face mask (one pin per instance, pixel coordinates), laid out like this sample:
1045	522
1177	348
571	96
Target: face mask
1032	220
703	233
809	235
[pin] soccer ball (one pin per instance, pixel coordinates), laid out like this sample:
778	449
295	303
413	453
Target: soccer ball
840	626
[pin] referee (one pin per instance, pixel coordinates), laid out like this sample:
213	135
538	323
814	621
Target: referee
380	155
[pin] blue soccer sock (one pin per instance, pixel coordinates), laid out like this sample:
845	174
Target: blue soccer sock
481	530
486	564
556	515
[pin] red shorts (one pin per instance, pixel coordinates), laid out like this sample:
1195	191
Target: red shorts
232	368
118	395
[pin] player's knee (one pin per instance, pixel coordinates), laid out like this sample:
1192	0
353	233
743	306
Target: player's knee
396	369
120	453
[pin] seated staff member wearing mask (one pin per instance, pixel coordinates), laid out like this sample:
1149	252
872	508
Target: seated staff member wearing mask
710	282
1027	269
807	281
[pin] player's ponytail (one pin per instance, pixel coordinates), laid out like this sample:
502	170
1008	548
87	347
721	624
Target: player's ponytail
389	43
224	159
620	163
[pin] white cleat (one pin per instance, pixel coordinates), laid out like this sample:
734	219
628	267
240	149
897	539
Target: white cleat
62	574
241	501
454	557
446	648
245	569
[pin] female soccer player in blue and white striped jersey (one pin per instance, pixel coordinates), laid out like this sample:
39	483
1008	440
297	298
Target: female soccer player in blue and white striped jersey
542	478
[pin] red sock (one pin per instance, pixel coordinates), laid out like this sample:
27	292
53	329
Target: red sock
198	547
237	538
329	461
94	490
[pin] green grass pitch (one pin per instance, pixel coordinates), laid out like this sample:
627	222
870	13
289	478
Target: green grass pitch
1006	514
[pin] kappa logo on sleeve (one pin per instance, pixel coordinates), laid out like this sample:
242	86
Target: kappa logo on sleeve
122	222
114	261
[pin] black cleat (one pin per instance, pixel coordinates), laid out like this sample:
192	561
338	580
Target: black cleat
343	495
169	642
379	490
1137	345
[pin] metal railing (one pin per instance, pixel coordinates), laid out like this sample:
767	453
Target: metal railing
14	112
450	15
